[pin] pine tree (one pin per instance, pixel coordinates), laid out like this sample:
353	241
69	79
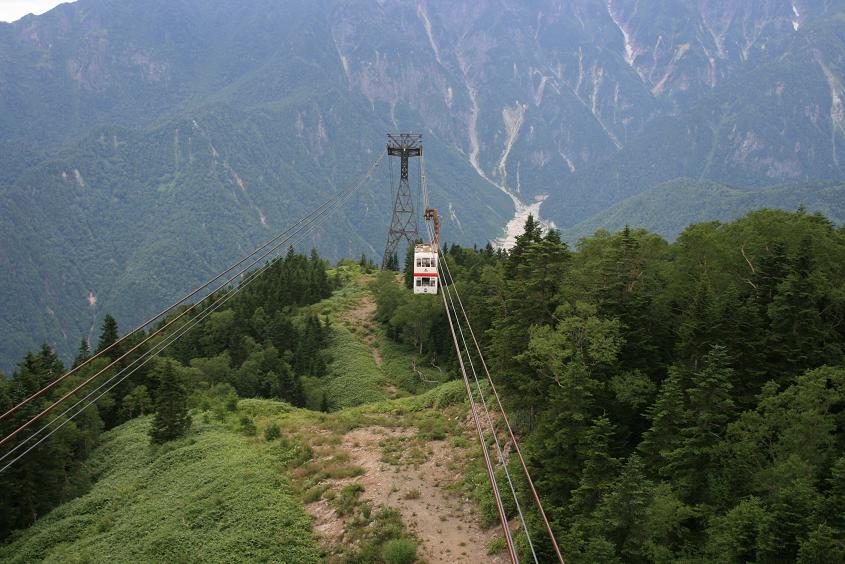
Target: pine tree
695	334
770	272
50	363
834	506
710	408
171	408
108	335
667	416
409	268
532	233
83	354
798	337
624	508
599	470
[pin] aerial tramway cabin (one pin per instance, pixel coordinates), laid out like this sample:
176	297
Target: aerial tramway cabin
425	269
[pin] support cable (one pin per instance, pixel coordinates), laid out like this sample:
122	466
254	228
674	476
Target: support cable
534	493
491	475
448	289
170	339
508	425
329	205
180	331
170	308
482	440
143	359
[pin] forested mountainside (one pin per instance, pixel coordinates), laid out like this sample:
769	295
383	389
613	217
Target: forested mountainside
675	401
668	208
138	136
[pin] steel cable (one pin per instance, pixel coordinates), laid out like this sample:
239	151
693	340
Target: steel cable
321	212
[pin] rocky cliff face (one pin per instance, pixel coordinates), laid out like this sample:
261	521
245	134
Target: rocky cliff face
534	93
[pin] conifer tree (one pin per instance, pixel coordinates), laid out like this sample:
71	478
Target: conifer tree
409	267
171	419
710	408
532	233
834	507
108	335
623	511
83	354
799	338
695	332
667	416
600	467
769	273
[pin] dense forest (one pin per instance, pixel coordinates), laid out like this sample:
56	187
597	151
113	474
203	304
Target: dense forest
677	402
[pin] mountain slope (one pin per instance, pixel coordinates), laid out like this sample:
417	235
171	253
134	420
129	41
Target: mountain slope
113	220
145	144
670	207
213	497
776	123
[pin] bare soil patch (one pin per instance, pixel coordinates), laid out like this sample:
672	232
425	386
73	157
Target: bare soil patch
414	481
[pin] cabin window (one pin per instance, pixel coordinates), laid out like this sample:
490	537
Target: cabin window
419	262
419	282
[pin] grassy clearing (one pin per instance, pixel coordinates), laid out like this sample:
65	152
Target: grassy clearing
214	496
347	296
353	377
397	367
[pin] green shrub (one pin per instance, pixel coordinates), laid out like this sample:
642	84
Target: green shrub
248	426
313	494
178	495
348	498
272	432
459	442
399	551
291	453
496	545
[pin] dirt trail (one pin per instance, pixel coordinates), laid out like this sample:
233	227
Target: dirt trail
409	474
444	522
360	318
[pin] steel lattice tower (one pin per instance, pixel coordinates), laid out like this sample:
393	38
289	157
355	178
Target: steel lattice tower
404	222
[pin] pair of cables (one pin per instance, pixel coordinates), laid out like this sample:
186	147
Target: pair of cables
481	410
291	236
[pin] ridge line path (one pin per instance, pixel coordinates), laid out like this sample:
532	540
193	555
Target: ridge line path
420	477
